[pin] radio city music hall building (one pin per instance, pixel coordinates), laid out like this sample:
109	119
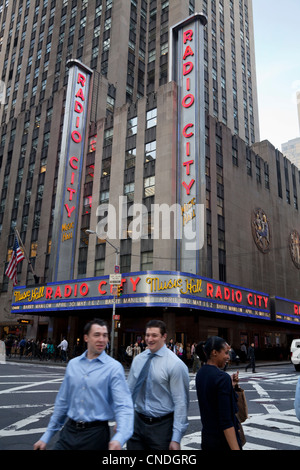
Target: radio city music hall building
143	106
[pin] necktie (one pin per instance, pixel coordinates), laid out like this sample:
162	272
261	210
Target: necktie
141	378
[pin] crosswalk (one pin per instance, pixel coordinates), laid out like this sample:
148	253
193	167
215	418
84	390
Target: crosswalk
272	423
274	427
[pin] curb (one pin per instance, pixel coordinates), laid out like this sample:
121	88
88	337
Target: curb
63	364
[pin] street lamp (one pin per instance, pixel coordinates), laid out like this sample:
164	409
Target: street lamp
92	232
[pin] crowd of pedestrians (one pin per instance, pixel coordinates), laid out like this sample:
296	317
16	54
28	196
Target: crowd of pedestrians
44	350
187	353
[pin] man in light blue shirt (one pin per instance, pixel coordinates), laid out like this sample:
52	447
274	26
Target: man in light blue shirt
161	404
94	391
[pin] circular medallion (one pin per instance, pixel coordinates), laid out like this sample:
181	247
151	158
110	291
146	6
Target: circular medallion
261	230
294	245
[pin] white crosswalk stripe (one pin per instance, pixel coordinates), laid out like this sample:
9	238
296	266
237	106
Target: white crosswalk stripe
272	423
266	430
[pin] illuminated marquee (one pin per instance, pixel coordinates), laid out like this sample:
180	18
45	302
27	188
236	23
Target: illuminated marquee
187	70
286	311
140	289
74	147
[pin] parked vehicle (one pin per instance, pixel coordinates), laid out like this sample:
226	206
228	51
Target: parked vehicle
295	354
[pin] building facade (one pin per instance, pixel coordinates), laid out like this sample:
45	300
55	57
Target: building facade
249	258
291	149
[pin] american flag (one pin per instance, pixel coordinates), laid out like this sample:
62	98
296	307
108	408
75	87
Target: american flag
16	257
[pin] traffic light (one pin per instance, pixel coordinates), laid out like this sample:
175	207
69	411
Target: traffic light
120	290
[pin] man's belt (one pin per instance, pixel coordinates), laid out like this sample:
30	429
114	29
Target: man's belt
86	425
154	419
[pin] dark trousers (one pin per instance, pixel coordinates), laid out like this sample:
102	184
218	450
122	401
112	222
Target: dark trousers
251	364
155	435
93	438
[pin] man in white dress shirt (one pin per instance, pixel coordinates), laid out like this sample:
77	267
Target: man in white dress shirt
161	405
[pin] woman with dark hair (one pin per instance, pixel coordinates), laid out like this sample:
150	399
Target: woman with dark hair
216	397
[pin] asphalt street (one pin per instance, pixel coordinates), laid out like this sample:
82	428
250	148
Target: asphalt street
28	391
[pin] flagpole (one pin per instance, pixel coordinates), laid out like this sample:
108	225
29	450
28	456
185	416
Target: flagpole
26	256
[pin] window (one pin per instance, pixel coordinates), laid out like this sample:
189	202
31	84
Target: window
147	261
220	206
164	48
104	197
99	267
106	167
152	55
150	151
149	186
151	118
130	156
132	126
125	263
108	137
235	157
129	191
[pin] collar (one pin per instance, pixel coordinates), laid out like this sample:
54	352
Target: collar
160	352
102	357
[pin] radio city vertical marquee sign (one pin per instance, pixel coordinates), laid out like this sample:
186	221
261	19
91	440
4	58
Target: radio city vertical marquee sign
70	171
187	69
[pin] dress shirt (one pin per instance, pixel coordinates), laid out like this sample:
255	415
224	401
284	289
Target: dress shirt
63	345
93	390
166	388
297	400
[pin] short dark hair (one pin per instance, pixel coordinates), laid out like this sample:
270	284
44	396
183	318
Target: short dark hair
96	321
157	324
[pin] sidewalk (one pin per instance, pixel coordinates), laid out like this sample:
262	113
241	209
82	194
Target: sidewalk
262	363
231	367
35	360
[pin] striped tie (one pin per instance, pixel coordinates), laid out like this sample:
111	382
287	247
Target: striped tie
141	378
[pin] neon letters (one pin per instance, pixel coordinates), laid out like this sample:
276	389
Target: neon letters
187	102
79	104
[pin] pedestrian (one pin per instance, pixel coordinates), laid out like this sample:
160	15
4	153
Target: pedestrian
77	351
196	359
50	349
8	344
180	350
161	402
216	397
94	391
143	345
63	348
129	353
22	345
188	356
44	349
136	350
251	357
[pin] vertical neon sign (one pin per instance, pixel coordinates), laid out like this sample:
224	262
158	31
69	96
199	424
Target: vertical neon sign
187	69
73	150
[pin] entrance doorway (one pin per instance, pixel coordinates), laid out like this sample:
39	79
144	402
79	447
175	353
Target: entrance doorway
42	332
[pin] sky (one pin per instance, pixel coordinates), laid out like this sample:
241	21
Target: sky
277	50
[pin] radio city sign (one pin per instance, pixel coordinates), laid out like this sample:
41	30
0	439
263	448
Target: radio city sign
72	155
285	310
152	288
187	69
